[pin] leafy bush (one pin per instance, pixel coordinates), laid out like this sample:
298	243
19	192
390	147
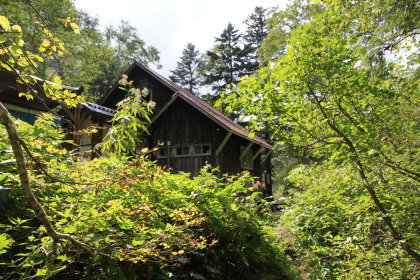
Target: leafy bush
336	232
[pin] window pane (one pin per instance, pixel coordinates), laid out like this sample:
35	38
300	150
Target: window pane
179	151
197	150
247	162
186	150
206	149
162	152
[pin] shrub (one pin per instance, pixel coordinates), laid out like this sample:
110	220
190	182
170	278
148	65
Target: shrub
336	232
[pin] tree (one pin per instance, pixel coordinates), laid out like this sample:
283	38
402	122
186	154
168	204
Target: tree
319	97
256	30
256	27
228	61
187	72
123	46
33	28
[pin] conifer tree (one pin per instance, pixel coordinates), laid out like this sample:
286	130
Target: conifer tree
228	61
187	72
256	30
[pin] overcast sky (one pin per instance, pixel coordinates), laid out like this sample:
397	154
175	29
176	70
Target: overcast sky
170	24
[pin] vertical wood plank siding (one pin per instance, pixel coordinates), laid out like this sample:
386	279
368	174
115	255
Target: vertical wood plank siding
182	124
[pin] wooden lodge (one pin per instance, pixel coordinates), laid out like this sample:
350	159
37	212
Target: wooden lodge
194	132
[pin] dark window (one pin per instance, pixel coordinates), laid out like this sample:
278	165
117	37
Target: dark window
197	150
162	152
206	149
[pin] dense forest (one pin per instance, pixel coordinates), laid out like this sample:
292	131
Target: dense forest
333	84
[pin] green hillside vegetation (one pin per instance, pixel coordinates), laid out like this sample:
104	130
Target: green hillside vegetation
337	91
343	100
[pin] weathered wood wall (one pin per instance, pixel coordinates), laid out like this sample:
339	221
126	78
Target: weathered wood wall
182	124
229	158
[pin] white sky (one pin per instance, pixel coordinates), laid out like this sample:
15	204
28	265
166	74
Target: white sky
170	24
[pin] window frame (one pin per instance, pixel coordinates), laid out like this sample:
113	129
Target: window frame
175	149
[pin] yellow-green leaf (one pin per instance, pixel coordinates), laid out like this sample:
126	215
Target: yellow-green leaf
17	28
57	80
45	43
4	243
74	27
4	22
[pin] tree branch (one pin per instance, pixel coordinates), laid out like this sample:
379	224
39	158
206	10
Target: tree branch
33	203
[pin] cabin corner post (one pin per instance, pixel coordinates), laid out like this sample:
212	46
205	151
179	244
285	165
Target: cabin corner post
266	160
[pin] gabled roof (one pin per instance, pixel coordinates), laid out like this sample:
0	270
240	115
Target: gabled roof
196	102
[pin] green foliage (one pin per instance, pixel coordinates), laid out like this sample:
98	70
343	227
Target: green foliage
337	233
25	14
395	24
283	161
280	25
321	98
130	119
140	219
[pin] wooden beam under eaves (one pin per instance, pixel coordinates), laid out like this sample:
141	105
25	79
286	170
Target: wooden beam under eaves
257	153
219	149
246	150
